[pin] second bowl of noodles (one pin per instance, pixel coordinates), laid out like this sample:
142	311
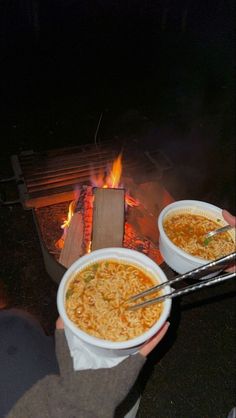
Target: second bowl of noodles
183	226
92	300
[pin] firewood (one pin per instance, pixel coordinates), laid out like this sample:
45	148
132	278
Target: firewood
108	218
153	197
73	245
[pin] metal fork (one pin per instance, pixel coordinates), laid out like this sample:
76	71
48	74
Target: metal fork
219	231
216	265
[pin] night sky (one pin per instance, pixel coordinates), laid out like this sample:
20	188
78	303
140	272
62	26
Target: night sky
63	63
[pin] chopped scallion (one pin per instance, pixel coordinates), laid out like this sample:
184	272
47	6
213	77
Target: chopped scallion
206	241
69	293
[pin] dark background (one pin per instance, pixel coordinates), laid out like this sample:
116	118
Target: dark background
63	63
161	71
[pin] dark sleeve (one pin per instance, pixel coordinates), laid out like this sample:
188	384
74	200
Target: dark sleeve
82	394
101	389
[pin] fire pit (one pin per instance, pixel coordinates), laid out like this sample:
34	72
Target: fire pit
63	213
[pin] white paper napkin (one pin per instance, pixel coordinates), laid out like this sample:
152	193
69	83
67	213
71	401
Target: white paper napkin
86	356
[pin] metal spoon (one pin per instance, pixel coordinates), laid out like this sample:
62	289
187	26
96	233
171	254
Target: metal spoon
219	231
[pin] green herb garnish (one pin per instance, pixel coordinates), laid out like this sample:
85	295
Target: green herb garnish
95	267
89	278
69	293
206	241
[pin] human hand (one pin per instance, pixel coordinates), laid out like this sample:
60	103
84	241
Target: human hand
59	323
147	348
229	218
231	221
152	343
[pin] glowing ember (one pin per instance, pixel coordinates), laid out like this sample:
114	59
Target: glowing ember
130	201
88	250
60	243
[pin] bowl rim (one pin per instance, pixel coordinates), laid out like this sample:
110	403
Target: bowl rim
186	203
108	253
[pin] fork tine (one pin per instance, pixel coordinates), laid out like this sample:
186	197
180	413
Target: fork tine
184	291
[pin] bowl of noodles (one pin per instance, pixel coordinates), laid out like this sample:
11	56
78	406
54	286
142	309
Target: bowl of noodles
92	300
182	241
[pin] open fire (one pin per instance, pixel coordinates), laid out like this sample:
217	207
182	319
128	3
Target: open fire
101	180
142	203
47	184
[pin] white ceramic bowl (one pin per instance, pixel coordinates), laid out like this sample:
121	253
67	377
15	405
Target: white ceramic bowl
104	347
179	260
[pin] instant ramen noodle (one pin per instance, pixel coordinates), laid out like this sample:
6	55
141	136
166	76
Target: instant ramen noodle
96	300
187	231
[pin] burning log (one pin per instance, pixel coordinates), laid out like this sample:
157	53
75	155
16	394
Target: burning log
77	238
97	216
105	218
88	218
108	218
73	244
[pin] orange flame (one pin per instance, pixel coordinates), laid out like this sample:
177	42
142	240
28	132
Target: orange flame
71	211
112	181
60	243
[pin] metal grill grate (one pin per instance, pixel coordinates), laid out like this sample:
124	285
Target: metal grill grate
46	178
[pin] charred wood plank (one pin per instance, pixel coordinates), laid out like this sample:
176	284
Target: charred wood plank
73	245
108	218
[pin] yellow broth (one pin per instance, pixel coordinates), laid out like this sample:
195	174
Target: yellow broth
187	231
96	300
